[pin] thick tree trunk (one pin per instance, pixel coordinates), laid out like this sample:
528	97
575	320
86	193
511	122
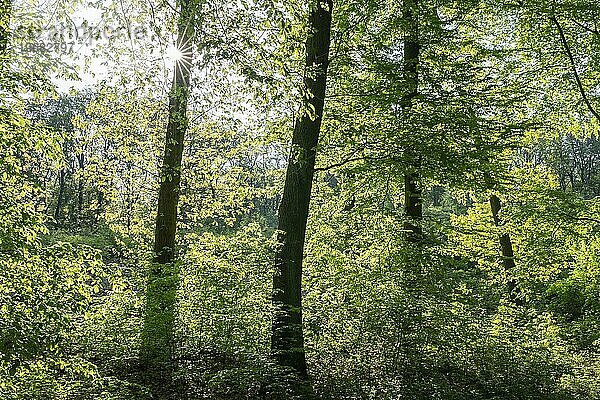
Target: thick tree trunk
508	256
287	341
412	192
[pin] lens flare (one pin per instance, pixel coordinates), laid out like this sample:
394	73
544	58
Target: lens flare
173	53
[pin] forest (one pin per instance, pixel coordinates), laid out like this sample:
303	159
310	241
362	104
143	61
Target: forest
284	199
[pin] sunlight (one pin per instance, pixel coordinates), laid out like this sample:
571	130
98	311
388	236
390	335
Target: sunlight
173	54
286	200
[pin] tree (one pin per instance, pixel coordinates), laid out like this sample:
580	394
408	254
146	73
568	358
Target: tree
506	247
287	340
412	192
60	115
157	335
168	196
5	12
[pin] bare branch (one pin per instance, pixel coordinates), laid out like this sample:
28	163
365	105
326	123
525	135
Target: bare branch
595	31
565	44
349	160
583	219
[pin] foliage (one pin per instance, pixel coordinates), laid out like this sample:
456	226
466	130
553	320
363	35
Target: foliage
506	108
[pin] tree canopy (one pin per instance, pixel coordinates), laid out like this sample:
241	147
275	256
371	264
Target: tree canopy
333	199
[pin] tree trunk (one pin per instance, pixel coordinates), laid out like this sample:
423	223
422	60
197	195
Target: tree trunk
81	162
5	14
287	341
61	194
168	195
412	192
157	333
508	256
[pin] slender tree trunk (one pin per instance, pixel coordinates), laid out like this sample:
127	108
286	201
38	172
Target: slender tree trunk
157	333
287	341
61	194
508	255
168	195
412	192
81	162
5	14
100	205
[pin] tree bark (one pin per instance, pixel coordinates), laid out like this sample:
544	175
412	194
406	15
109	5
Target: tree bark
287	340
412	192
59	200
163	277
81	163
5	14
168	195
508	255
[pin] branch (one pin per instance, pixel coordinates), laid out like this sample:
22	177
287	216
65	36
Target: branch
586	28
348	160
565	44
587	219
